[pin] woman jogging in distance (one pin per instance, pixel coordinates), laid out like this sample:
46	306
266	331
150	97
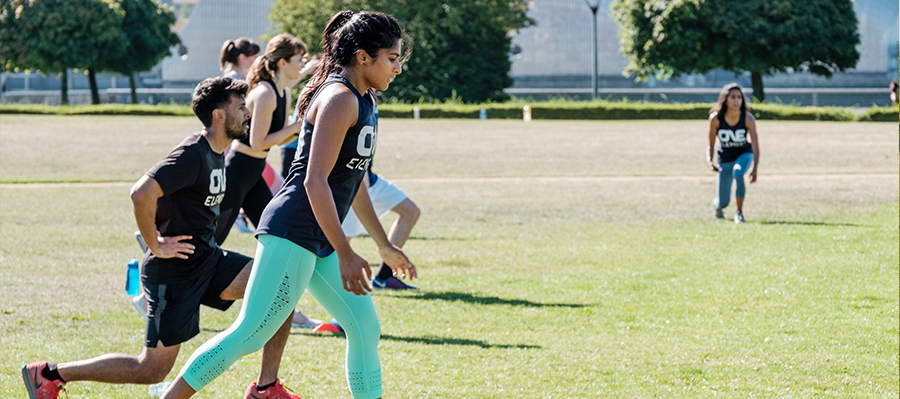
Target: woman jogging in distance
237	57
301	245
268	101
735	127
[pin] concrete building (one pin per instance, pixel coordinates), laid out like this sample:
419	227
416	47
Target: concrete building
210	24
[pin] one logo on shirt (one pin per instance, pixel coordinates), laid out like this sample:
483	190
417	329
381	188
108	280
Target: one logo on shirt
365	146
732	138
216	187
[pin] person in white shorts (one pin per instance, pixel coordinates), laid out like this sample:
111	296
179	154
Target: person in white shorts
386	197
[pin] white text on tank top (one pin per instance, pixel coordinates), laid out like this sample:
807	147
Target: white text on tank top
731	138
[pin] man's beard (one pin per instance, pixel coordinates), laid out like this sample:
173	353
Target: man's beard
236	129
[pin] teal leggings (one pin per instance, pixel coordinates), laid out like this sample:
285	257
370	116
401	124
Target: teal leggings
281	272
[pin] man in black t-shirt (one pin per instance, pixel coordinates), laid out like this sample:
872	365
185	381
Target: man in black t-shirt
177	202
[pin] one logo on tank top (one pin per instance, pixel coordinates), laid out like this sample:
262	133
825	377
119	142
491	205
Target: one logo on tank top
732	138
365	146
216	187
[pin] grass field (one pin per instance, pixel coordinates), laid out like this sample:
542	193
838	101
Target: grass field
557	260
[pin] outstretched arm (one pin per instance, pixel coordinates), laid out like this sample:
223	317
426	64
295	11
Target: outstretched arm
392	255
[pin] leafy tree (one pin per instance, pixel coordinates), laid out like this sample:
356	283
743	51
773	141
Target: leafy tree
147	27
51	36
670	38
461	48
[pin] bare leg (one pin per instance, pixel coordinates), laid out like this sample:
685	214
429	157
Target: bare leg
236	289
740	204
150	367
408	216
179	390
271	354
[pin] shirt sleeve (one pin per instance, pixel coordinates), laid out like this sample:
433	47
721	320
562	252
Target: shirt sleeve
178	170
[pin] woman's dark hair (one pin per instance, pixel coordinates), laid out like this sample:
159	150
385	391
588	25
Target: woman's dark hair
721	106
215	93
344	35
281	47
233	48
895	86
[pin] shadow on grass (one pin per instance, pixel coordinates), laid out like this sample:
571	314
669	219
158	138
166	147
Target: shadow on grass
455	341
430	340
796	223
488	300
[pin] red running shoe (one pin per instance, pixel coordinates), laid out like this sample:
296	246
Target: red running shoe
39	387
276	391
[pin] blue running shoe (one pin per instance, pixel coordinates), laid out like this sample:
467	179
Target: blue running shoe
391	283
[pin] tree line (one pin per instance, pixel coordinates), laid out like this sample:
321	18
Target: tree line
53	36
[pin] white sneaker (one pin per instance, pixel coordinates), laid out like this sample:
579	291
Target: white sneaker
739	217
301	321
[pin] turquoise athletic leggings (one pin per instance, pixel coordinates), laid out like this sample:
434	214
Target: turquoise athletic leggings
281	272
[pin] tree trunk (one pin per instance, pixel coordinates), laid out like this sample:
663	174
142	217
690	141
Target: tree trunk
95	94
758	94
133	88
64	87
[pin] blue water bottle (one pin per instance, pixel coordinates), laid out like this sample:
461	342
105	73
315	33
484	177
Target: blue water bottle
133	278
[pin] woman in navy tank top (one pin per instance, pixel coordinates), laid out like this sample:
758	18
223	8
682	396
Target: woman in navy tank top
270	79
301	244
735	128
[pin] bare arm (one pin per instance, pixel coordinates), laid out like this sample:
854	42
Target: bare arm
754	142
336	111
144	195
392	255
262	102
710	150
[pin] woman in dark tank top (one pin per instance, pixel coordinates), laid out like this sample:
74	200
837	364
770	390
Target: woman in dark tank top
735	128
301	244
270	78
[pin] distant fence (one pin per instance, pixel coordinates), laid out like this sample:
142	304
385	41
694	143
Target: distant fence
843	97
838	96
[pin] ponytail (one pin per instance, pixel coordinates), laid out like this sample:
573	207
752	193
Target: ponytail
231	49
227	48
328	65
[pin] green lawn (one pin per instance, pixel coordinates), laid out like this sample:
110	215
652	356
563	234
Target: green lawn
557	259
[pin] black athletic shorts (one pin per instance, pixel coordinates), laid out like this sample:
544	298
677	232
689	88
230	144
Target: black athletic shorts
174	312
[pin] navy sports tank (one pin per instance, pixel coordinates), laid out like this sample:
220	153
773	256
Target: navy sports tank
277	115
289	214
732	139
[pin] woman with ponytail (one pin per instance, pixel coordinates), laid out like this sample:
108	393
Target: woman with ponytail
301	245
270	77
237	57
